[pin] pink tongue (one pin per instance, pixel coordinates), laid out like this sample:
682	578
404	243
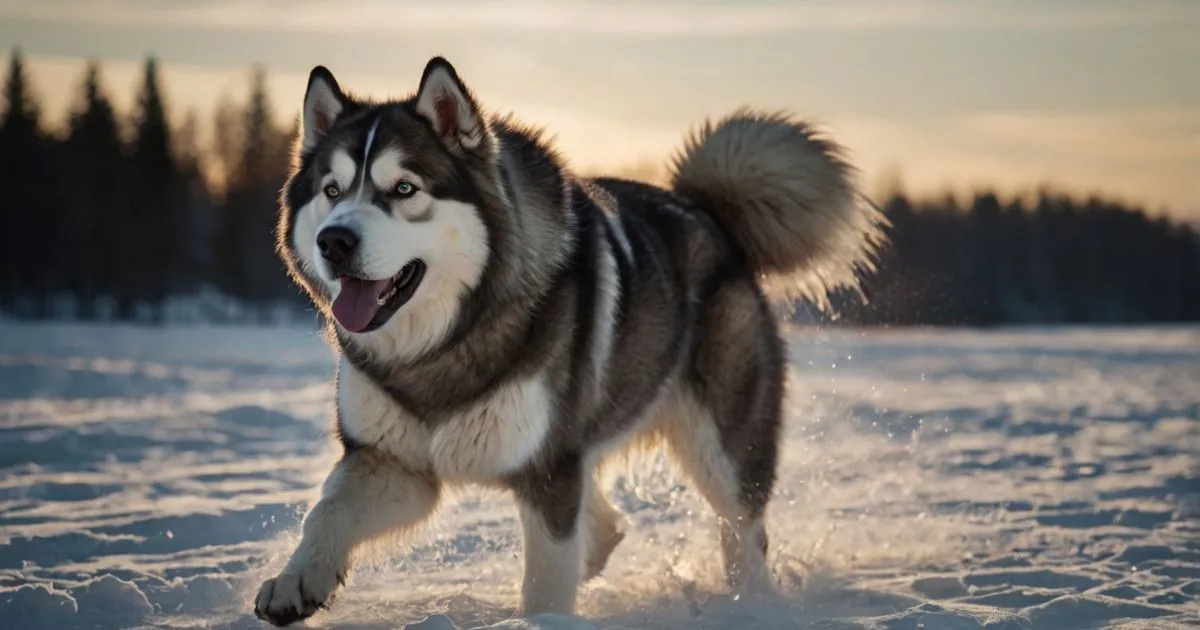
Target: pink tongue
357	302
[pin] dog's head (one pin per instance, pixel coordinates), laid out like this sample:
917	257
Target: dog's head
394	210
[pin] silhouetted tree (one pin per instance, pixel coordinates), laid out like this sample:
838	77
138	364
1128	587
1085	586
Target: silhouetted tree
28	225
156	234
1060	261
245	250
199	219
98	213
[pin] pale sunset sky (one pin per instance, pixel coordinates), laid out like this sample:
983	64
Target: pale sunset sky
1090	95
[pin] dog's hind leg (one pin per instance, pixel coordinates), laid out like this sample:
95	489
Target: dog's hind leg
695	442
367	496
724	426
603	531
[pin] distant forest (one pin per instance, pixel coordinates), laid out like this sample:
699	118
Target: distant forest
1050	260
124	216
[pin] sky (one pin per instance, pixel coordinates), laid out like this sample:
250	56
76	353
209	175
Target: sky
1092	96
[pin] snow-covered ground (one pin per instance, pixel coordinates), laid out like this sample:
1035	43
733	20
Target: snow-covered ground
1010	479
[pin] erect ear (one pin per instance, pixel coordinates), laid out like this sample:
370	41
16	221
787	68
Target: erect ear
323	101
446	103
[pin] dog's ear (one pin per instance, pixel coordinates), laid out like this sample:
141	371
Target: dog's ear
445	102
323	102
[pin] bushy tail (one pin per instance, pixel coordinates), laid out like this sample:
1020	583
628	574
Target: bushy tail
788	198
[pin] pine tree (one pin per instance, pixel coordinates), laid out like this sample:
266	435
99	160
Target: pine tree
97	211
195	258
989	261
157	230
246	253
27	178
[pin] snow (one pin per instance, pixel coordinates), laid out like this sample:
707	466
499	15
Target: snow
1032	478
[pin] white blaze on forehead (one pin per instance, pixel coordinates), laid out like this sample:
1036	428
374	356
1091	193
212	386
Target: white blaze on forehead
362	181
386	170
343	167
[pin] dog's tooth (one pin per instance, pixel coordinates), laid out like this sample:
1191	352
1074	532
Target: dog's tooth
381	300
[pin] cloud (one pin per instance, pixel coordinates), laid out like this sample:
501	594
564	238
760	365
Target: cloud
657	18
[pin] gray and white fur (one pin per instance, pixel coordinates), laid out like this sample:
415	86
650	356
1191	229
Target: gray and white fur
502	321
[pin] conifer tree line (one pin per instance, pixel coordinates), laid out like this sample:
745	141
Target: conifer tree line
124	215
115	215
1052	259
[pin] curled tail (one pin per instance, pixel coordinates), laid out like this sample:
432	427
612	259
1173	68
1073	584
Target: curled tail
787	197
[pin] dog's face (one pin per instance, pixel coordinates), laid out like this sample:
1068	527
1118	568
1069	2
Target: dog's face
384	220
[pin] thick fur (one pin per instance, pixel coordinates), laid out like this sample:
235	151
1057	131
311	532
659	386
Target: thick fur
786	195
559	321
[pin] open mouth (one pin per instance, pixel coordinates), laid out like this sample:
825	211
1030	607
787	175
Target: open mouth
364	305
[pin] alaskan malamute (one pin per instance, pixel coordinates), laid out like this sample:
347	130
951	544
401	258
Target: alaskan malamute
502	321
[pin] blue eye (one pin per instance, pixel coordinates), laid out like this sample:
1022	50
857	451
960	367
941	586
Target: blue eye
405	188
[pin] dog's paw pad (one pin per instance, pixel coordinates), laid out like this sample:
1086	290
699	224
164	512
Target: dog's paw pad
290	597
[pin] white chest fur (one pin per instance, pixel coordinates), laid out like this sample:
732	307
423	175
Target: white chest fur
484	441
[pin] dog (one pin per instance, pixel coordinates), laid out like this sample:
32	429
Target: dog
499	320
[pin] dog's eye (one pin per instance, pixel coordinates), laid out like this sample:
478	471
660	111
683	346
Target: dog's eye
332	191
405	188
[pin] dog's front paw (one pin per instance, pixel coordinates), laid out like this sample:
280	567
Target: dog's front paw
292	596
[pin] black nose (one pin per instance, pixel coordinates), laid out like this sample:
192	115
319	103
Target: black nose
337	244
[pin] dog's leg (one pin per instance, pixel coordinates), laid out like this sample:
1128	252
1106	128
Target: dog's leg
697	444
744	550
602	533
724	426
365	497
552	564
550	501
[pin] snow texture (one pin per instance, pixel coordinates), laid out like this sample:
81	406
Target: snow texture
1034	478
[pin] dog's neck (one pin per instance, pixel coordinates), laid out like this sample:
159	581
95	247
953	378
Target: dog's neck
538	192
